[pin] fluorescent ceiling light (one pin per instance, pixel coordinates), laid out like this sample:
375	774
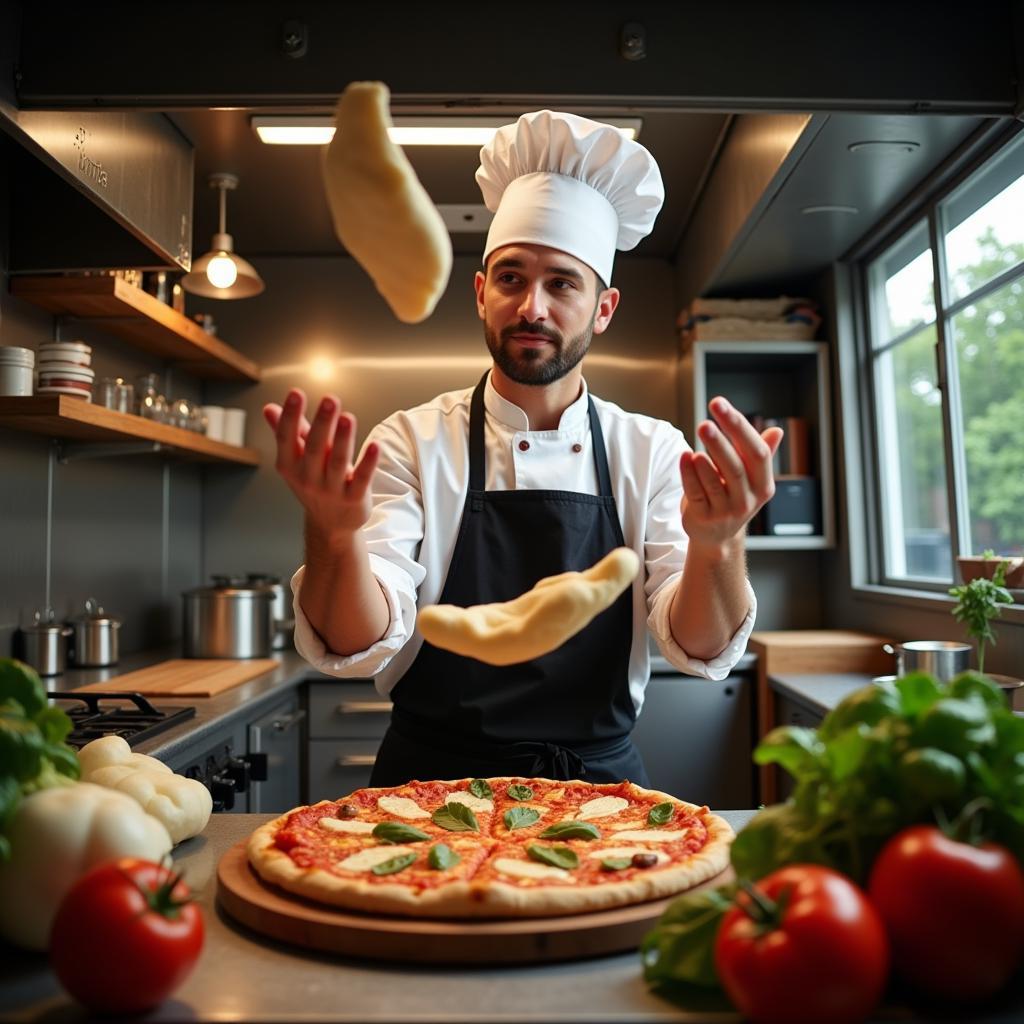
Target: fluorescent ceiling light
304	130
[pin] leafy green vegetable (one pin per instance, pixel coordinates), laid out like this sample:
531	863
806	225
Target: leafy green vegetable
519	792
681	947
441	857
398	832
571	830
661	814
33	754
556	856
455	817
520	817
615	863
389	867
890	755
481	788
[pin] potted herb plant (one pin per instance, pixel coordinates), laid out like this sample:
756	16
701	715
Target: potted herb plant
978	602
985	565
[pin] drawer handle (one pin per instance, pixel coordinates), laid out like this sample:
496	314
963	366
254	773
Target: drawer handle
357	761
356	707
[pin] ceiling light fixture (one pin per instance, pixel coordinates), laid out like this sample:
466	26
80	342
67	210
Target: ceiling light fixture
303	130
222	273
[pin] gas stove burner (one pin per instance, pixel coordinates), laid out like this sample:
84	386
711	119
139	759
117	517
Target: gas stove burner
133	723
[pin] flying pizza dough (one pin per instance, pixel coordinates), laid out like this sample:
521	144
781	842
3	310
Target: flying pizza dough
535	623
382	214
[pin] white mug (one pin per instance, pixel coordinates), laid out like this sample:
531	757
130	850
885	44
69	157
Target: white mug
214	422
234	427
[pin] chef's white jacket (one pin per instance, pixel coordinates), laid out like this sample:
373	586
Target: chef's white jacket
419	490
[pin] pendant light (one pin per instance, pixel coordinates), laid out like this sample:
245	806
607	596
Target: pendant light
222	273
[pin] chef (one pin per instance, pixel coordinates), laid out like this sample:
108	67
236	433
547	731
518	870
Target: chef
479	493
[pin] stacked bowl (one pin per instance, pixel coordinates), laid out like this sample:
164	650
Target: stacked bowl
64	369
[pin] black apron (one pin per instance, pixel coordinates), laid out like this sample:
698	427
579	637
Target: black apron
565	715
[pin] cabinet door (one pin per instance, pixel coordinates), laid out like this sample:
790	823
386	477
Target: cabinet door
776	380
347	710
278	734
696	738
337	767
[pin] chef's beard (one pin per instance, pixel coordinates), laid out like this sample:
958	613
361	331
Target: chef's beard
537	366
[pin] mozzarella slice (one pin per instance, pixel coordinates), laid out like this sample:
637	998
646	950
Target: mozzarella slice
367	859
619	826
627	851
529	869
346	825
474	803
653	835
401	807
602	807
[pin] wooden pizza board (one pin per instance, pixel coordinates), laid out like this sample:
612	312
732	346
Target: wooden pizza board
186	677
280	915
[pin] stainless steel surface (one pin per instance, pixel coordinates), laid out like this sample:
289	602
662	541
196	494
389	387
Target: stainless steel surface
279	735
45	647
282	621
94	640
227	621
943	659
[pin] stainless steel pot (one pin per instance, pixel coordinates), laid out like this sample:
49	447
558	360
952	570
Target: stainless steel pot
45	647
94	637
230	619
944	659
282	621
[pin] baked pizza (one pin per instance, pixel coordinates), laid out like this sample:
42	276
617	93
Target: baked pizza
499	847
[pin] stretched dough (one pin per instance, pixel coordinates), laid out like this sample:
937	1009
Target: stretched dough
382	214
534	623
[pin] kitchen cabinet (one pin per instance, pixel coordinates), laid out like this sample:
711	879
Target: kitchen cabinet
139	318
278	737
776	380
347	721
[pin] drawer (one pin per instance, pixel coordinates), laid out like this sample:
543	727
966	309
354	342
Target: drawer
337	767
347	711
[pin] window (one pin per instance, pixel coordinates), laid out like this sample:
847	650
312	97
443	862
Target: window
946	346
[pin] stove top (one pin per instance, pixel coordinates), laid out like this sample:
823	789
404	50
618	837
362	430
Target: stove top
128	715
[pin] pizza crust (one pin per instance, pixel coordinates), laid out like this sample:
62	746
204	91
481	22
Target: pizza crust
494	897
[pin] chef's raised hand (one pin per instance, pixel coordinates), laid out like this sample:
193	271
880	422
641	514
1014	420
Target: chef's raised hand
316	461
726	485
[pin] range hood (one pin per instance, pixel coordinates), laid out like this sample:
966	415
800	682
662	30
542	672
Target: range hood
97	189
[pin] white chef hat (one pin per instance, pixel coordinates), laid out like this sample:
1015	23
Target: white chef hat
570	183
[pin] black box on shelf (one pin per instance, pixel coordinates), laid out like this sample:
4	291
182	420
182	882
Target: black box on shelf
795	509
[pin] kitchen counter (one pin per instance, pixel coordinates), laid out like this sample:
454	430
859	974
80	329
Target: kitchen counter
211	712
818	693
243	976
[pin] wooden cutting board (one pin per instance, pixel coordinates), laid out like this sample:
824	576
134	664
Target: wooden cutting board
279	915
186	677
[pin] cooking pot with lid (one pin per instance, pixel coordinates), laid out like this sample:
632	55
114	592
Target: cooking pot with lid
94	637
282	621
230	619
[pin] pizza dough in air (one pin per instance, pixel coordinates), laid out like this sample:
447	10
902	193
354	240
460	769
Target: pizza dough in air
535	623
382	214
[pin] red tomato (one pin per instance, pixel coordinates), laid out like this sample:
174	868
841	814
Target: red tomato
819	954
954	912
125	936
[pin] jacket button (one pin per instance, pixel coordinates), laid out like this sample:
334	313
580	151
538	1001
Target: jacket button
524	446
577	448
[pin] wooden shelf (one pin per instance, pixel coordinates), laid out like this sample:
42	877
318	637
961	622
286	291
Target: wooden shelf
74	419
139	318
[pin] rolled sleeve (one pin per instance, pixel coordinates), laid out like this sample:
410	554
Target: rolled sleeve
401	600
716	668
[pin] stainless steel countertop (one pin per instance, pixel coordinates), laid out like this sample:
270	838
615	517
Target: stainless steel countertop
243	976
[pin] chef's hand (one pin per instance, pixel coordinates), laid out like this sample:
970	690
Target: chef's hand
316	462
727	484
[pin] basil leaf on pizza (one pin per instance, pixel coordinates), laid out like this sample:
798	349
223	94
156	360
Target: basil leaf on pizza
571	830
481	788
395	864
660	814
615	863
520	817
397	832
455	817
442	857
557	856
519	792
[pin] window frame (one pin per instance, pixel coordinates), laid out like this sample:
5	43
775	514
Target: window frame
923	204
